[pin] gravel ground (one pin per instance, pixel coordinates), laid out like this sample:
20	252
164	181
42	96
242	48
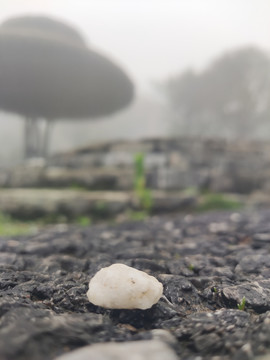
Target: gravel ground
207	263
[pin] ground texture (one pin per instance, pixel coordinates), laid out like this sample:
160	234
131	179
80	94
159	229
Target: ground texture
207	264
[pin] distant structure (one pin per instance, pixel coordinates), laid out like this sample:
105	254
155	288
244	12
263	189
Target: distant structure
48	72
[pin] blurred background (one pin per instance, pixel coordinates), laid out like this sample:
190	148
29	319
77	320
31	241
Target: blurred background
179	87
168	48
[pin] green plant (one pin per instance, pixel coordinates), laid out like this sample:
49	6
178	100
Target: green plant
137	215
12	227
216	201
101	210
139	170
242	304
190	191
84	221
101	205
76	186
52	218
144	195
191	267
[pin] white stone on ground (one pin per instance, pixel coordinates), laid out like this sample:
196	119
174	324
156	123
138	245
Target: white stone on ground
122	287
132	350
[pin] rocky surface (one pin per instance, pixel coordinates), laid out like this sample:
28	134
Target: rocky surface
136	350
170	164
31	204
207	265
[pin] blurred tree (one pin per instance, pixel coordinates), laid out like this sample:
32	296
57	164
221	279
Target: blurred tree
233	92
48	72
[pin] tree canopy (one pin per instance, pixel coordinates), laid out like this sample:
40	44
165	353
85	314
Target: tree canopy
234	91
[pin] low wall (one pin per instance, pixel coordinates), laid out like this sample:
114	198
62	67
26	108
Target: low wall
171	164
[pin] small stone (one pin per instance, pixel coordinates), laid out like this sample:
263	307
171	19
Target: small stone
133	350
218	227
164	336
122	287
236	217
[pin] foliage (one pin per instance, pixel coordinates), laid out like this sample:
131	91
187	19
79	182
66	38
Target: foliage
190	191
76	186
232	94
137	215
216	201
101	206
84	221
144	195
242	304
11	227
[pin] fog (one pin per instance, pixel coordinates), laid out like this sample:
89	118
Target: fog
152	41
154	38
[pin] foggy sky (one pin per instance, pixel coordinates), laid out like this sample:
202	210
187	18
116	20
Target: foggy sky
153	39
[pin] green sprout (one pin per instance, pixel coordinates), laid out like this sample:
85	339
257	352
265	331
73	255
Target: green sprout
84	220
242	304
216	201
137	215
13	227
191	267
144	195
101	209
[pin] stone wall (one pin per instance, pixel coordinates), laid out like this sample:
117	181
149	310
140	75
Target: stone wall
171	164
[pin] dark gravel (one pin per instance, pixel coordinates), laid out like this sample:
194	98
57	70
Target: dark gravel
207	264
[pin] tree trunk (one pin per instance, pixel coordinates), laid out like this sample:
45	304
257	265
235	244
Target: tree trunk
28	138
37	138
46	138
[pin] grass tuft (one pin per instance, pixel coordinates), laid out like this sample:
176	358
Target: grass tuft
242	304
216	201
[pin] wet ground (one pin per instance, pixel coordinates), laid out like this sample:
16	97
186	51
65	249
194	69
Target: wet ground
215	269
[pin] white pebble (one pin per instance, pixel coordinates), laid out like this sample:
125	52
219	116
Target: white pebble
122	287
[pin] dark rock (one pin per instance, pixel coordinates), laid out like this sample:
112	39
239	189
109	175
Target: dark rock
256	294
44	311
52	333
171	164
71	203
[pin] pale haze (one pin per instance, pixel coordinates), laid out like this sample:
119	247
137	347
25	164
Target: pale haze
153	39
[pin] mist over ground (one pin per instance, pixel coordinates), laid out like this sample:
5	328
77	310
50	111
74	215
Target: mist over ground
157	43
